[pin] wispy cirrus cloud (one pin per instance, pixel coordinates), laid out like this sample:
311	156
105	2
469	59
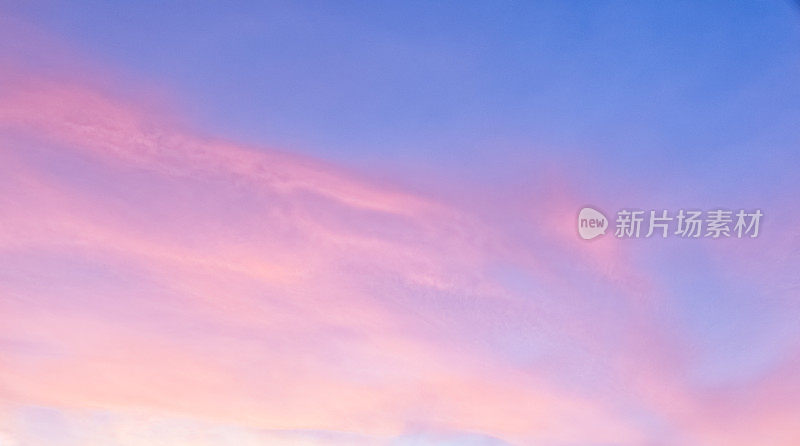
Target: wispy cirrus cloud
136	285
178	288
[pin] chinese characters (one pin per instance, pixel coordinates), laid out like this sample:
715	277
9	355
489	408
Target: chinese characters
687	224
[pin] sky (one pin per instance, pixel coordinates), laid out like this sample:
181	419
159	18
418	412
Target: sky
354	223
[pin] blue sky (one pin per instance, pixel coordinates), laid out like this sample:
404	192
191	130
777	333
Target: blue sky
476	88
420	234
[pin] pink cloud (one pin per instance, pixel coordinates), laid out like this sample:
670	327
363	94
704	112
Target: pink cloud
254	289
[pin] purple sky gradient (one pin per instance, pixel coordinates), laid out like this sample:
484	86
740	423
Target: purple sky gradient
308	223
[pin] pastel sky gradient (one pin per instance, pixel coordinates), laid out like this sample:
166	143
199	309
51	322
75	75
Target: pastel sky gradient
353	223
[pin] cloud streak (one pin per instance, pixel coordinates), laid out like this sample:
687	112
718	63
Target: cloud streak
161	286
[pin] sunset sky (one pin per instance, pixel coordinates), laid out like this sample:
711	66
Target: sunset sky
354	223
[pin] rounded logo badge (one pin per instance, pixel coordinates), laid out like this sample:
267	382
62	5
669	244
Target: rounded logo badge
591	223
